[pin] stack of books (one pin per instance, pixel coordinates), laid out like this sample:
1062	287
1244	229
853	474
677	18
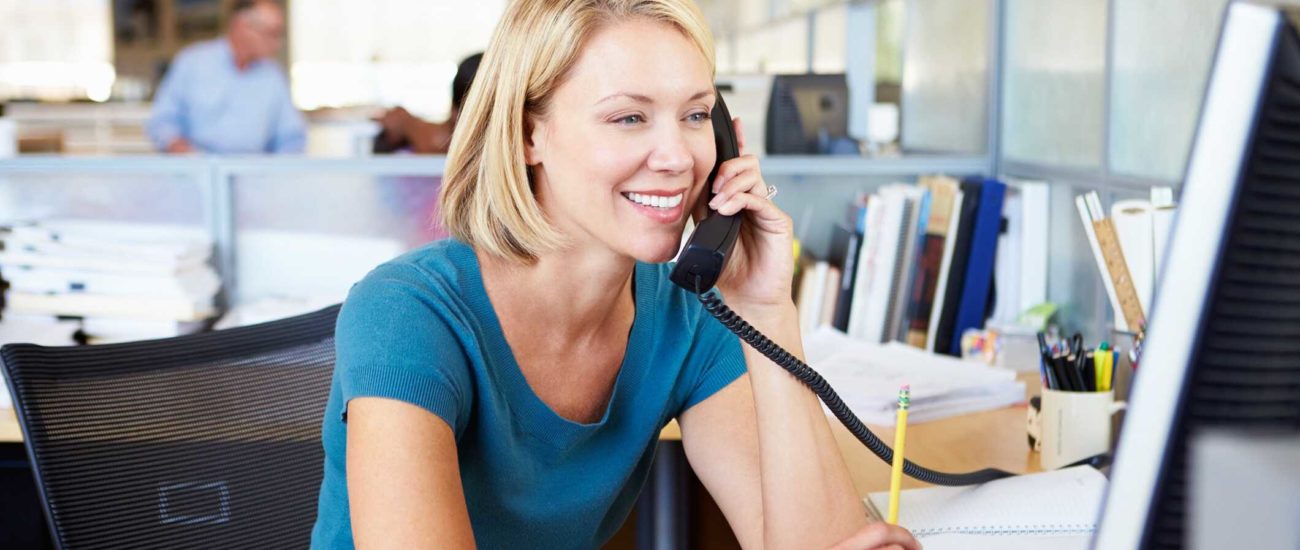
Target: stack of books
120	281
917	263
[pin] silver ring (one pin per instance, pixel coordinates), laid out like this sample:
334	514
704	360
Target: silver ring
771	191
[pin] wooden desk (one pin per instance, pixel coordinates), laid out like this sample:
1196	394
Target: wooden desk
9	430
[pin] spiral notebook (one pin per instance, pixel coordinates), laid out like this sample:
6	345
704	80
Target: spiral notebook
1061	506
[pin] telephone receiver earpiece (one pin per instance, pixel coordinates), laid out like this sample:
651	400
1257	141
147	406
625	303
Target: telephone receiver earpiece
701	261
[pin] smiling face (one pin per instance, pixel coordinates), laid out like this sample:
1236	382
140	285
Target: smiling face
624	147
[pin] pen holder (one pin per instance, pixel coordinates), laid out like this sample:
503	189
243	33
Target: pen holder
1070	426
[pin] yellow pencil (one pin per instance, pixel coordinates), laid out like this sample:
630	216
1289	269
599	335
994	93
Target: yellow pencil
900	435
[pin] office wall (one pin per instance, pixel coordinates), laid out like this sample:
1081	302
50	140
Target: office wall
1054	80
1161	60
384	52
945	78
56	50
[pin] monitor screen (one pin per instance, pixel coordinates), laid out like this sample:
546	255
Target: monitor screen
1223	347
808	114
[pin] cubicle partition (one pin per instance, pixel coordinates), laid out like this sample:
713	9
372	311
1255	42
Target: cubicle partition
283	228
295	233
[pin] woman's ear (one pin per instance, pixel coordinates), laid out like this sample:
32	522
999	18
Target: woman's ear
534	140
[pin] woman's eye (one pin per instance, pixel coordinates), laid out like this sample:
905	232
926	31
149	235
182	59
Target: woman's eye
698	117
630	119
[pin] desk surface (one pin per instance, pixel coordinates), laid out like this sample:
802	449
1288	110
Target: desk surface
9	430
987	439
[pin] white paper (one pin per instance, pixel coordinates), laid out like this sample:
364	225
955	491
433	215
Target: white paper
867	377
1061	503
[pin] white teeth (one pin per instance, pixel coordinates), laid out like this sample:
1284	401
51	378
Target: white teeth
656	201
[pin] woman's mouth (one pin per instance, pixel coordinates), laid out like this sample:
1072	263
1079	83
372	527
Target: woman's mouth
661	207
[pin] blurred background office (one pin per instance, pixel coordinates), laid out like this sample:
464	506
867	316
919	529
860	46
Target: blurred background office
839	97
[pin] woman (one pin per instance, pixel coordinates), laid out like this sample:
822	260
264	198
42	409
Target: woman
506	387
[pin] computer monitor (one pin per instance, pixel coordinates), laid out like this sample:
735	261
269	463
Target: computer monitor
808	114
1223	348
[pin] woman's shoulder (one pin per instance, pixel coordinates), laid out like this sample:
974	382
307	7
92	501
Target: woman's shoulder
439	275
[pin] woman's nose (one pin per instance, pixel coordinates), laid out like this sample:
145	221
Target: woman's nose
671	153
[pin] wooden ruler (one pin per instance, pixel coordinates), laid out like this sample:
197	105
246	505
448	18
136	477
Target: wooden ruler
1114	255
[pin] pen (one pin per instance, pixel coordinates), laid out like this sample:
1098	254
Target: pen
1063	378
1076	372
900	436
1090	370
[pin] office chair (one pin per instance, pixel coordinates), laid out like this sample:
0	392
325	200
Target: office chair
204	441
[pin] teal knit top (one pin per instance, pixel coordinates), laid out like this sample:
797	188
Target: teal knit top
421	329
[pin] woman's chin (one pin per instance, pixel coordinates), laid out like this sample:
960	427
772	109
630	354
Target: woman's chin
657	251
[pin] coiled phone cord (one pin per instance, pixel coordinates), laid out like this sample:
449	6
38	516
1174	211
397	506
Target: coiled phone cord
713	304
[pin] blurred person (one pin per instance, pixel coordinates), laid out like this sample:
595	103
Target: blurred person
228	95
402	130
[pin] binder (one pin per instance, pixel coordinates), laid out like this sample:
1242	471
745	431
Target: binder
973	307
930	257
971	197
844	246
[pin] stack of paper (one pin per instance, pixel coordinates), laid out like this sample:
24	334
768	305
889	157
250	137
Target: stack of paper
867	377
1056	509
124	281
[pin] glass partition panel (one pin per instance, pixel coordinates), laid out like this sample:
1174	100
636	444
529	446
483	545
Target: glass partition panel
1053	80
87	194
945	76
1161	57
309	236
829	39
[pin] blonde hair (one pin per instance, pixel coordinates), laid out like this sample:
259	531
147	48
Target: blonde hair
487	198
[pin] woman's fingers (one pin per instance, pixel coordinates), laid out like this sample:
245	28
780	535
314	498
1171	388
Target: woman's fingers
734	168
878	536
765	211
740	134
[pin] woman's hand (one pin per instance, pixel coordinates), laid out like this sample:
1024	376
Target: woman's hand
879	536
760	272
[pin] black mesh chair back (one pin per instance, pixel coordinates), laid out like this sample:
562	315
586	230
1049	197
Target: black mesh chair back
204	441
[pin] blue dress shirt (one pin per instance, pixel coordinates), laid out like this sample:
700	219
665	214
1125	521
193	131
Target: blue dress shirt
218	108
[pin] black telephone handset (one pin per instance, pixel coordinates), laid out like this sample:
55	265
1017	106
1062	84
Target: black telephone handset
700	264
701	261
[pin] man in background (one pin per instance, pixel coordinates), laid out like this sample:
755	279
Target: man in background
402	130
228	95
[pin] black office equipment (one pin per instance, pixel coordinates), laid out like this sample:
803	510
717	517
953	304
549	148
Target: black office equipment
808	114
210	440
1221	351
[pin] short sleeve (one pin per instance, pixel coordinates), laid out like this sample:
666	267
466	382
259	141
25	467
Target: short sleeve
393	341
716	360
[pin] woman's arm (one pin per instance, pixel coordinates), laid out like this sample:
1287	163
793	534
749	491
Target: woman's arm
404	485
764	450
807	495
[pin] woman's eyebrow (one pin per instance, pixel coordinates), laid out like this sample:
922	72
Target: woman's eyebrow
640	98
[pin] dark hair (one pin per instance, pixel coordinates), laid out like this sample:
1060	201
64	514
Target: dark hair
464	77
240	6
